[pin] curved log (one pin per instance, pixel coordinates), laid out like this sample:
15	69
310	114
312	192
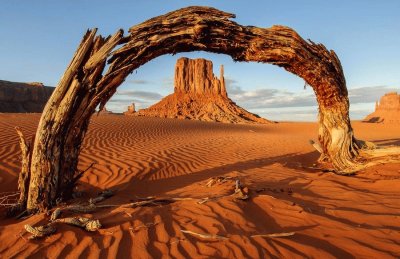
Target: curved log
84	86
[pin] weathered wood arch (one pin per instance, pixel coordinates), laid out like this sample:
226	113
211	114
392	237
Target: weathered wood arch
54	155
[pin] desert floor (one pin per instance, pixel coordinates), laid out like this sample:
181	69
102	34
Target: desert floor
331	216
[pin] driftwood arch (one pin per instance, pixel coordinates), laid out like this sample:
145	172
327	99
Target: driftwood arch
49	168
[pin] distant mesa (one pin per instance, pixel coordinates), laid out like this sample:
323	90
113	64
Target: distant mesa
131	110
387	110
104	111
199	95
39	84
18	97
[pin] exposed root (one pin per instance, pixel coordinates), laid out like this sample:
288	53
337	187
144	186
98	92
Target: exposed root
83	208
40	231
87	224
368	154
379	156
89	208
56	214
102	196
9	199
241	193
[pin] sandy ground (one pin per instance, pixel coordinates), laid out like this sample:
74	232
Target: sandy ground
332	216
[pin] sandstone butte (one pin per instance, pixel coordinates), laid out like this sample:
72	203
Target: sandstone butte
387	110
131	109
23	97
104	111
199	95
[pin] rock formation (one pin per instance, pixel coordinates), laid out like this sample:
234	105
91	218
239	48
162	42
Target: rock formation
200	95
104	111
23	97
131	109
387	110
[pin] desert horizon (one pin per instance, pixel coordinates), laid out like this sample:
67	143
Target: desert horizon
138	157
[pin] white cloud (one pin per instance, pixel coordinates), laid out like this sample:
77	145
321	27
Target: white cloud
277	104
138	81
146	95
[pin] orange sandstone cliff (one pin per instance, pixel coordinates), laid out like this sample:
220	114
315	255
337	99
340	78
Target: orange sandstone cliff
200	95
387	110
23	97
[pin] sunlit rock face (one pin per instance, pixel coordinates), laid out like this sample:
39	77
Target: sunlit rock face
387	110
199	95
23	97
131	109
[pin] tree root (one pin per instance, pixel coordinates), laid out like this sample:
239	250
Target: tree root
40	231
82	222
102	196
368	155
49	229
87	224
80	208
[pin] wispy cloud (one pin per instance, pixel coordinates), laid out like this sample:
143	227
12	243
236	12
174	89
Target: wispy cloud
276	98
168	82
270	98
280	104
123	98
138	82
369	94
138	94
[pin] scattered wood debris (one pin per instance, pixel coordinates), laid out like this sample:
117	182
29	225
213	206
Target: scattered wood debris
87	224
218	179
284	234
241	193
82	222
205	236
102	196
40	231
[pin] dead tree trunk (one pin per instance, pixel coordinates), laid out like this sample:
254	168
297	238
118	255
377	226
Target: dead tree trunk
65	120
24	175
83	86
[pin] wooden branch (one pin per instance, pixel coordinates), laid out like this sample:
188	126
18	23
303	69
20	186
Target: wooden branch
205	236
284	234
24	175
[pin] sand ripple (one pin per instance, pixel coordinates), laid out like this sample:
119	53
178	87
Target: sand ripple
332	216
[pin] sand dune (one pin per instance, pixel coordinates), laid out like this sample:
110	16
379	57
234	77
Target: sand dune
332	216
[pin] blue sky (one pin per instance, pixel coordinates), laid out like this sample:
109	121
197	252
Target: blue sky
39	38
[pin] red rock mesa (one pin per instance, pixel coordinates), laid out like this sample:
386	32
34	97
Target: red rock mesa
200	95
104	111
387	110
131	109
23	97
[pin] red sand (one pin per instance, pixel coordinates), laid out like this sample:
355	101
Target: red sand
332	216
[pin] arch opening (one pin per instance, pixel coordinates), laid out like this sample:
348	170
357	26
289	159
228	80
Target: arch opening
50	168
